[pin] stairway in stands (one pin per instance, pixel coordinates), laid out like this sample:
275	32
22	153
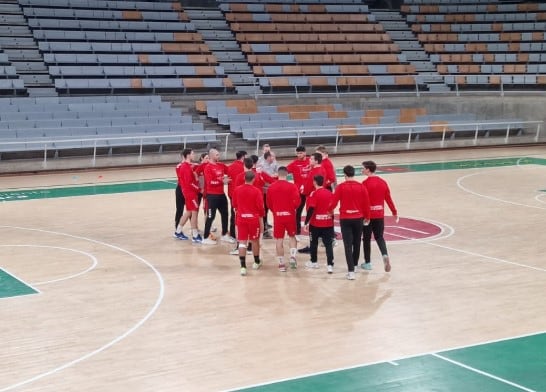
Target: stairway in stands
210	23
396	26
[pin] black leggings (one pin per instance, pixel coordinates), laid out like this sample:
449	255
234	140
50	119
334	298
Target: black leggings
351	230
327	235
299	211
180	203
377	227
216	202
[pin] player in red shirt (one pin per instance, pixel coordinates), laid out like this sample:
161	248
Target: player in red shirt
216	198
354	211
319	220
299	168
330	181
283	198
234	169
190	190
248	203
180	202
379	193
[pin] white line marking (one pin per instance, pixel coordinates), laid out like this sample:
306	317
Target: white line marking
95	261
393	363
115	340
409	229
482	373
539	197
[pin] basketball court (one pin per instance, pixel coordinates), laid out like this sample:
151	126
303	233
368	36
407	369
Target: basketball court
97	295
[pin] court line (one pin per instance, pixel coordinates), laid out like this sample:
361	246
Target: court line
539	197
115	340
481	372
95	261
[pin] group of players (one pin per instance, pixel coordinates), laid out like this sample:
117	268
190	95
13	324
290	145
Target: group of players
256	185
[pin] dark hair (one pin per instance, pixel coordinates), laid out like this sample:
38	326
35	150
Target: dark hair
370	165
267	154
248	162
317	156
240	154
254	158
321	149
319	179
186	152
203	155
300	148
282	171
349	171
249	176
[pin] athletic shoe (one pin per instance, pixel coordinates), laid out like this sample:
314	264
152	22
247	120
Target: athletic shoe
234	252
305	250
293	263
181	236
330	269
208	241
249	251
243	271
197	240
257	265
366	266
228	238
282	267
350	276
267	235
334	243
301	238
387	263
310	264
268	226
213	229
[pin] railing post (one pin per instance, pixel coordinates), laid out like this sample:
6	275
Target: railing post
476	134
409	139
94	152
373	140
418	93
457	87
337	140
44	164
507	134
258	144
443	137
502	88
376	90
538	133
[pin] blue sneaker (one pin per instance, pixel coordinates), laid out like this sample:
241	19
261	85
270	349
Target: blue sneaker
197	240
181	236
366	266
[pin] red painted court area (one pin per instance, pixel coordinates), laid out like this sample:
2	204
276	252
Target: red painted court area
406	229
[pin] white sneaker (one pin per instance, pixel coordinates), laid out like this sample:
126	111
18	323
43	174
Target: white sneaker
311	265
228	238
208	241
350	276
243	271
301	238
330	269
234	252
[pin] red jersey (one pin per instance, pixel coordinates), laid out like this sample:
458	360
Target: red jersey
308	185
233	170
379	193
259	181
321	200
178	175
283	198
299	169
248	202
188	179
353	200
214	178
330	171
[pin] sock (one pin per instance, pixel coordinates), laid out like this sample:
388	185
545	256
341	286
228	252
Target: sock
242	259
257	259
194	232
178	229
293	252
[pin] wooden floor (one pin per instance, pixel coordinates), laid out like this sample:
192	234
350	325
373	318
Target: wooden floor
122	306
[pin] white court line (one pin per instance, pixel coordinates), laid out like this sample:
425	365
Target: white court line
95	261
119	338
472	369
539	197
409	229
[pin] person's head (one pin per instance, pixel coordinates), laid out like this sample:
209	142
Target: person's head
204	157
318	181
322	150
187	154
269	157
300	152
282	172
266	148
254	158
214	155
369	167
248	163
349	171
239	155
315	159
249	177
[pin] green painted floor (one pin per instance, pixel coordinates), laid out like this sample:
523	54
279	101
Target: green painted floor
511	365
10	286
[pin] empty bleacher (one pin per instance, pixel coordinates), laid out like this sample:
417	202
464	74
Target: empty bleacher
320	46
127	47
476	43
